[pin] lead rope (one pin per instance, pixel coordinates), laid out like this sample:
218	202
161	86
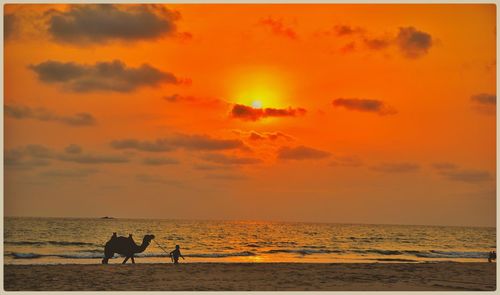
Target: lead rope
160	247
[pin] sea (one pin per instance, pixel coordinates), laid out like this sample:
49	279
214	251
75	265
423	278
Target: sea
81	240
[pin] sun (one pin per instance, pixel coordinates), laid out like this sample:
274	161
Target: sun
258	88
257	104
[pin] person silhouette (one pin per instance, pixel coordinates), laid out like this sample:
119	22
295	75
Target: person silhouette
175	254
492	256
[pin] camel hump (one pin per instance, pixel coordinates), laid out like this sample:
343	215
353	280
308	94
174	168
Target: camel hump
120	241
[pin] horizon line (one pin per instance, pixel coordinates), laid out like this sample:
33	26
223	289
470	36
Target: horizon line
249	220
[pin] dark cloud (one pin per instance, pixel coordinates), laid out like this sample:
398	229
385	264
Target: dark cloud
377	43
204	143
229	160
453	172
102	76
278	28
23	112
160	145
301	153
100	23
10	23
255	136
179	98
346	161
73	149
74	153
31	156
364	105
226	176
154	179
180	141
485	103
253	114
159	161
69	173
396	167
28	157
470	176
344	30
413	43
485	99
442	166
203	102
204	167
93	159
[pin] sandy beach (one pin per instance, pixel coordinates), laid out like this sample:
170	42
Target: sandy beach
446	276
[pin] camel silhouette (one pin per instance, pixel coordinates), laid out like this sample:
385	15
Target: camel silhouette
125	246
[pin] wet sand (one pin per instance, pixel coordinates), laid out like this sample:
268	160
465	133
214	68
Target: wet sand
445	276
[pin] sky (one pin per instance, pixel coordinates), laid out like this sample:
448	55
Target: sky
312	113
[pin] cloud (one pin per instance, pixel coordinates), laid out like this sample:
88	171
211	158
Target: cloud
73	149
253	114
255	136
198	101
442	166
470	176
226	176
453	172
205	167
159	145
93	159
396	167
101	23
10	23
179	98
413	43
301	153
102	76
204	143
278	28
344	30
485	99
74	153
377	43
229	160
28	157
40	114
364	105
69	173
180	141
346	161
154	179
349	47
33	155
159	161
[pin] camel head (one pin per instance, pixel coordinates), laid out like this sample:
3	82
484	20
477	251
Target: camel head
147	239
145	243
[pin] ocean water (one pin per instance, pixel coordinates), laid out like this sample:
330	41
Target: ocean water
81	240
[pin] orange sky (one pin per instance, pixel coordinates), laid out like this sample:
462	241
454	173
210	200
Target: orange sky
330	113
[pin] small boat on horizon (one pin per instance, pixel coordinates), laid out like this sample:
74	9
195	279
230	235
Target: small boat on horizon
107	217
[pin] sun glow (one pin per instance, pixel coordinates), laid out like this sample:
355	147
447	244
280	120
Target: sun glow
259	88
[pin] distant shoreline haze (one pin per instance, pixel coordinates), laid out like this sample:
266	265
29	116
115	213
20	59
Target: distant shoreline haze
248	220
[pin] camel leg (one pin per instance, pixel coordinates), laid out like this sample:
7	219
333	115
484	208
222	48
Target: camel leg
107	256
132	258
125	261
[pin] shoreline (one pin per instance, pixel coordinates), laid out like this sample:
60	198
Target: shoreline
220	276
